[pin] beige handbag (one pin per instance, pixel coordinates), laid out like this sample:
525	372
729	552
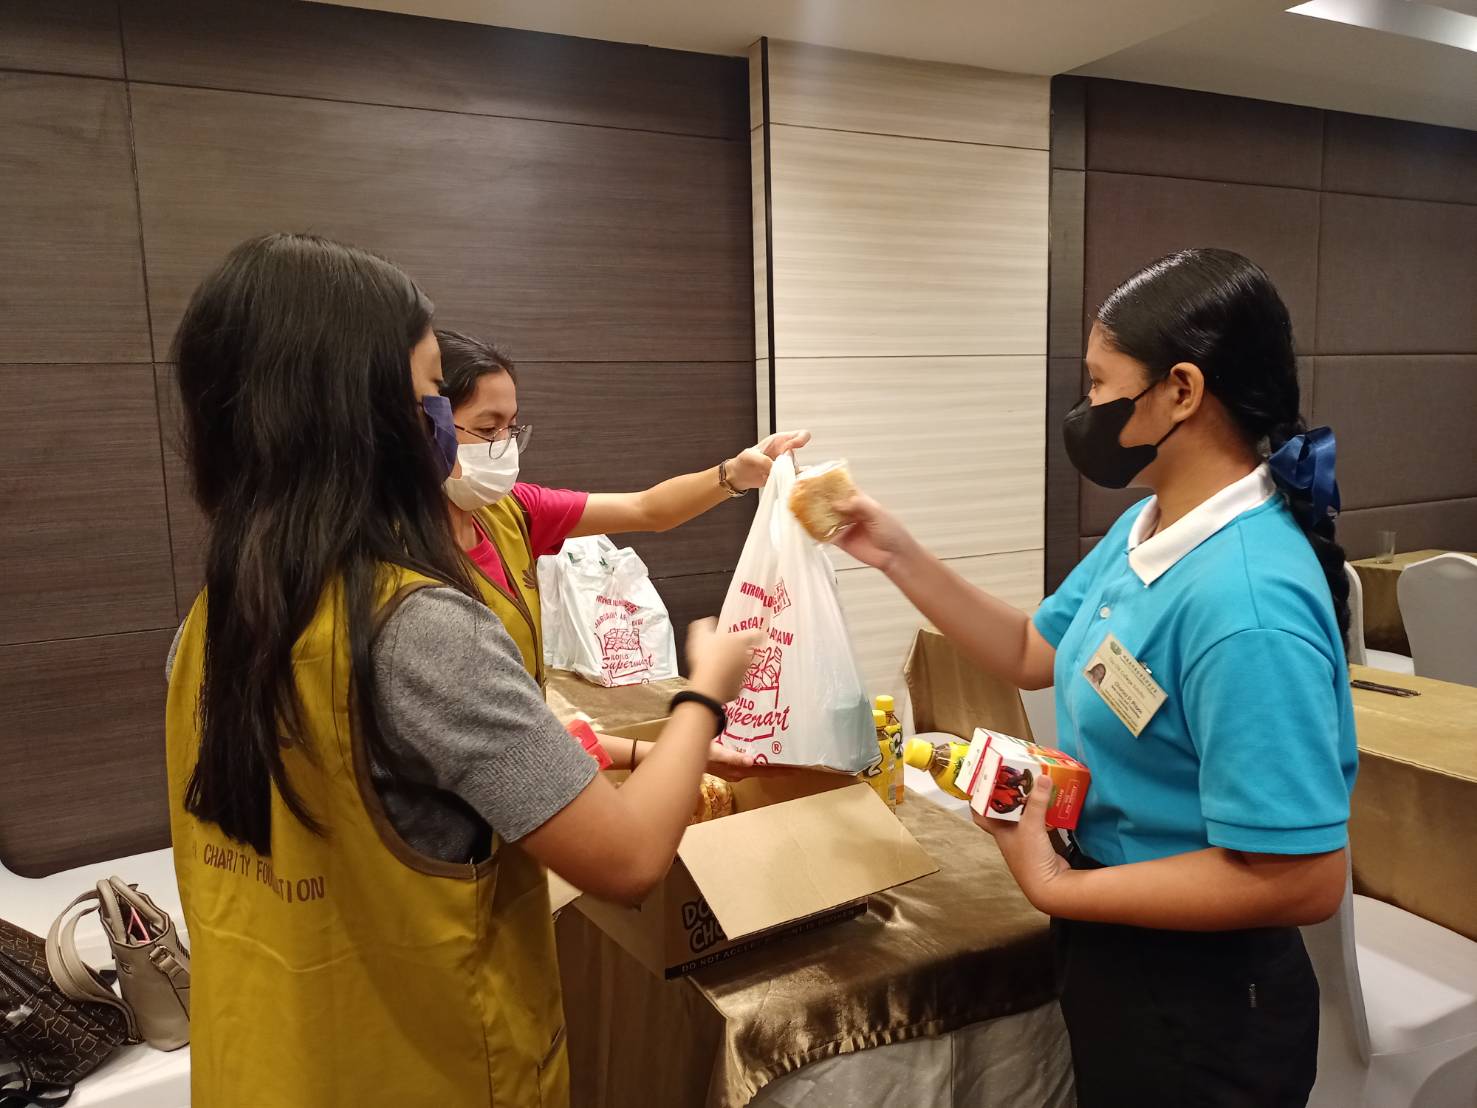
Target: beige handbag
153	965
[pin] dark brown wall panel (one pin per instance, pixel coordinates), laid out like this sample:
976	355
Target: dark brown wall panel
61	36
691	598
1390	157
1063	389
1397	277
569	243
1100	507
71	280
1431	525
1132	220
1404	426
85	545
1069	123
186	522
625	427
1064	337
337	53
83	749
1135	128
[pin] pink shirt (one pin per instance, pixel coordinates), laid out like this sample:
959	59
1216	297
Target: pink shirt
552	515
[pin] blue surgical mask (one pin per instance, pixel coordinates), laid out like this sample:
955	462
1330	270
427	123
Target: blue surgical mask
444	432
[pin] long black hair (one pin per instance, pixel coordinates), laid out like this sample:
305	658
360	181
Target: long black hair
311	459
465	360
1221	312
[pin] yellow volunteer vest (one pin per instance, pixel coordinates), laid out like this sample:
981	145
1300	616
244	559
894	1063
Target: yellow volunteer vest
349	970
506	524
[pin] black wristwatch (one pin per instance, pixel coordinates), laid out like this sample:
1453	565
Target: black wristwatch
687	696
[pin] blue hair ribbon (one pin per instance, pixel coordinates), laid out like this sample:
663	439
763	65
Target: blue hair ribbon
1305	463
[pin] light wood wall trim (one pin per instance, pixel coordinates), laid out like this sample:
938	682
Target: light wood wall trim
819	86
899	246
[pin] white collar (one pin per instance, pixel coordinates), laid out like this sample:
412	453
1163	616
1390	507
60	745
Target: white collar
1151	556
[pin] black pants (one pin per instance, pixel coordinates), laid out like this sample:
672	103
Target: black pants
1221	1019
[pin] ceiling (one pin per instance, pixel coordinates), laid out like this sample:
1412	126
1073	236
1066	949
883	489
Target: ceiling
1244	47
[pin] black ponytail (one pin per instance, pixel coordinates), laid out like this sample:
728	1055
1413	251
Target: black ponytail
1221	312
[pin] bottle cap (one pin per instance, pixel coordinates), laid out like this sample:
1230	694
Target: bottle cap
879	718
885	703
919	753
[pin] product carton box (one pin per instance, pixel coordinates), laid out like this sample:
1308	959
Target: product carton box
1001	770
803	849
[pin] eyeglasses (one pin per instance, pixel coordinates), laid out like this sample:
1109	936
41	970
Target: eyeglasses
497	443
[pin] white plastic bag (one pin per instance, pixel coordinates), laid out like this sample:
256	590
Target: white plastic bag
803	702
603	618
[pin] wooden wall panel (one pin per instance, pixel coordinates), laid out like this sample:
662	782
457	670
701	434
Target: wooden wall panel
1068	122
1139	129
623	427
691	598
1397	277
187	529
83	750
61	36
840	90
85	545
896	246
1390	157
1375	253
1132	220
337	53
1065	335
1409	444
1422	525
585	203
952	445
71	278
882	621
570	243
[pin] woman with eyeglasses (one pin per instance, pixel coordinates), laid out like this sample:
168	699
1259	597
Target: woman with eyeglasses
505	525
364	781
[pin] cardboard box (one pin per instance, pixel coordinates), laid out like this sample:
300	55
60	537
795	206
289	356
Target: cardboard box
1001	770
803	849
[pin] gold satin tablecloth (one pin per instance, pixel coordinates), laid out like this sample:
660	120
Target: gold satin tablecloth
945	951
1413	828
1384	629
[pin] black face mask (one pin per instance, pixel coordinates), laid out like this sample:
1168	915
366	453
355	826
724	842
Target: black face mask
1091	434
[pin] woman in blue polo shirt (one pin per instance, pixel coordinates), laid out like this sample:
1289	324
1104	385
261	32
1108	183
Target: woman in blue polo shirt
1219	727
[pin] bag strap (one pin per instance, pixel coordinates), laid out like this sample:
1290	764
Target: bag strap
71	974
17	1092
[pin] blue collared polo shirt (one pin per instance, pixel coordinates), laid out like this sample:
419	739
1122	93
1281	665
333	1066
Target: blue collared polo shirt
1254	749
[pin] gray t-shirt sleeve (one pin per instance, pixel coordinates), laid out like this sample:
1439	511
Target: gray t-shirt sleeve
455	701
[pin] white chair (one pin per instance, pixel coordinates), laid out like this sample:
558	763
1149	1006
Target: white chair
1438	602
1398	1010
1359	655
135	1076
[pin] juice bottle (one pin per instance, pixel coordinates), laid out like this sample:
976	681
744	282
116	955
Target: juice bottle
941	760
888	707
881	773
899	786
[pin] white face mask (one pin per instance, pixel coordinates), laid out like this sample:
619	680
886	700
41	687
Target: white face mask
484	480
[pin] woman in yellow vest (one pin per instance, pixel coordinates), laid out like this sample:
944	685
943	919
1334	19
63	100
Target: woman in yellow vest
355	944
505	525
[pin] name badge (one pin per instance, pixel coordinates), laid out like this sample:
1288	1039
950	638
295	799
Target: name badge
1124	684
